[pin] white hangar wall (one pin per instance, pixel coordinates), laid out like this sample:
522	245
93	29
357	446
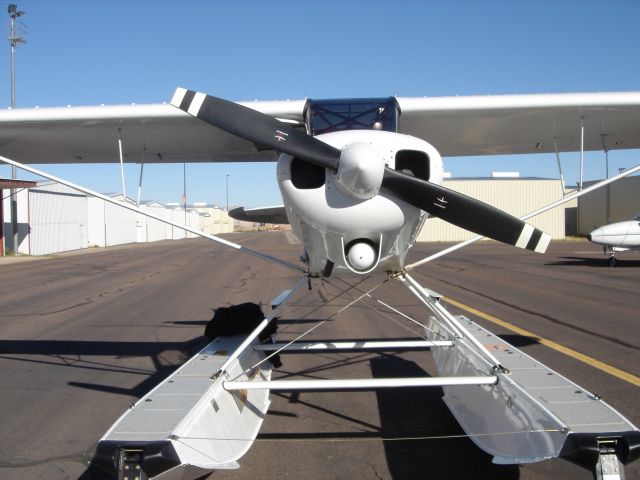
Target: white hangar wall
58	220
23	220
624	198
178	216
120	224
190	219
153	230
517	196
194	221
214	220
95	208
53	218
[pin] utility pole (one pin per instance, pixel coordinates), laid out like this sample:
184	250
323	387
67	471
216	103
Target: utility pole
227	193
14	41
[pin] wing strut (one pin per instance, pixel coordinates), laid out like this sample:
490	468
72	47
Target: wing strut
527	216
555	147
124	192
144	150
195	231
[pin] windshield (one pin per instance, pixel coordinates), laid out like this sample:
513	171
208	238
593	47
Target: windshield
323	116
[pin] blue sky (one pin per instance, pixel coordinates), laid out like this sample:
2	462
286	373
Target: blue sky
93	52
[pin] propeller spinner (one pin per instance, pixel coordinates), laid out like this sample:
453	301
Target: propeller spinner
359	182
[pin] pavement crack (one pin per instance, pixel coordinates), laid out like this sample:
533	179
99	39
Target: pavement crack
76	457
375	472
91	299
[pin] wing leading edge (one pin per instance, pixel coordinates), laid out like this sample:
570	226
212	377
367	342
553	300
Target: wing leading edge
456	126
155	133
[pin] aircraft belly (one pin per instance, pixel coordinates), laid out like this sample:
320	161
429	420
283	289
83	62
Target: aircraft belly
633	238
322	246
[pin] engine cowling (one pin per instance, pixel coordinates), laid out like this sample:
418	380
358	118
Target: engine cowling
344	218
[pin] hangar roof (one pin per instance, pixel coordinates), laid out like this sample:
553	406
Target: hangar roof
8	183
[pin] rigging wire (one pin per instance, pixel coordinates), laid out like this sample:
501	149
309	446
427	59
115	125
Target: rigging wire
372	438
305	333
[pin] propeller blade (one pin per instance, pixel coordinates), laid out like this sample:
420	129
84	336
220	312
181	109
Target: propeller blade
464	211
257	127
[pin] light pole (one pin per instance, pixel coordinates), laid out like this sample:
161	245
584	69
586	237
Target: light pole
227	192
14	41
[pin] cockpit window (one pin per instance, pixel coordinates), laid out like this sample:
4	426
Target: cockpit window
323	116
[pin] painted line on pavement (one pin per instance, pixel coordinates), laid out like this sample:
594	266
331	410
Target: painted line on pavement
595	363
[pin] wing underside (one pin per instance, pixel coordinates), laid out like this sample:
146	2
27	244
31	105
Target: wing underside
456	126
150	133
519	124
276	215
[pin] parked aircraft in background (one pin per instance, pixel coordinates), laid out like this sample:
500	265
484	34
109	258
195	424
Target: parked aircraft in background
618	237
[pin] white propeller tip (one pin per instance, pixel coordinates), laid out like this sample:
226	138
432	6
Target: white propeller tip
543	243
178	96
533	239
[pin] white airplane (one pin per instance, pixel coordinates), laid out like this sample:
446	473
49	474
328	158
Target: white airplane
618	237
358	178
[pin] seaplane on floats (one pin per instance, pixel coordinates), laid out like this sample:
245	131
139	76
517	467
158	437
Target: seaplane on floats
618	237
358	178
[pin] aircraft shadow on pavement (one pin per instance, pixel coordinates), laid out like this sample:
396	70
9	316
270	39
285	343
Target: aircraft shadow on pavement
519	341
166	358
173	355
600	262
420	412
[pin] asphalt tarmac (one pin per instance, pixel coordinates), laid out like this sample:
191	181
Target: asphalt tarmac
83	335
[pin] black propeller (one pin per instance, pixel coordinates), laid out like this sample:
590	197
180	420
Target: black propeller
462	210
441	202
259	128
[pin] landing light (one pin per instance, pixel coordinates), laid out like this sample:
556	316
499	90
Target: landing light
361	256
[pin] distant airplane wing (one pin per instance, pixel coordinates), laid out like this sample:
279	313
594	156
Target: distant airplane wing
456	126
277	215
514	124
155	133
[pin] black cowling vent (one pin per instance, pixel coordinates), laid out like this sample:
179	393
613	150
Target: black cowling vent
413	162
306	176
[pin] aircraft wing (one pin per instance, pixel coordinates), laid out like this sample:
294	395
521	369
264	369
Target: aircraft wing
276	215
514	124
154	132
456	126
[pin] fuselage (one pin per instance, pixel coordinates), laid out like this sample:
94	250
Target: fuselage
618	236
342	219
